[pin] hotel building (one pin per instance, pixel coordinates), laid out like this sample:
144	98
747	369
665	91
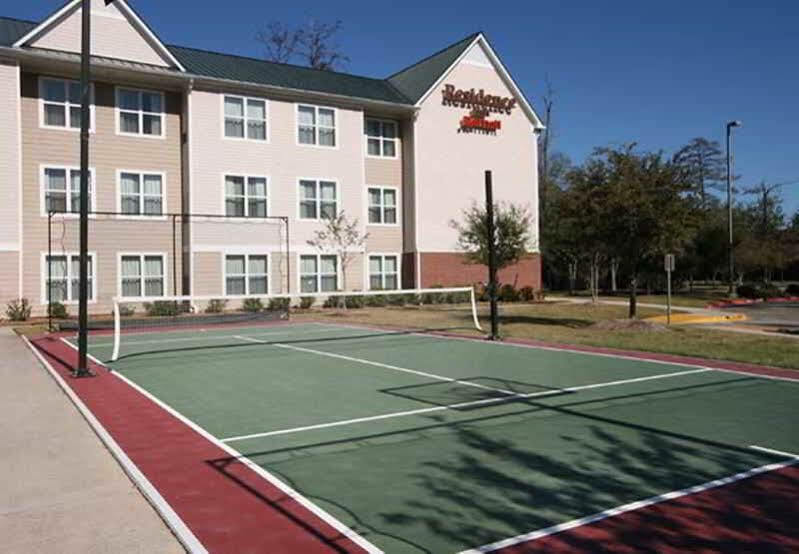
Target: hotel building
177	130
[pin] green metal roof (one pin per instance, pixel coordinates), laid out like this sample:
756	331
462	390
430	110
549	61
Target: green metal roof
12	30
417	79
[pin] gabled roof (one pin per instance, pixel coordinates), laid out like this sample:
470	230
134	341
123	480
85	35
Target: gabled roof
11	30
252	70
416	80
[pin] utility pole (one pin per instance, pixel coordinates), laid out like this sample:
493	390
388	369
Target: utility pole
731	260
492	257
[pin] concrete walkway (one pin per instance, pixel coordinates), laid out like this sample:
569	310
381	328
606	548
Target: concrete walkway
61	490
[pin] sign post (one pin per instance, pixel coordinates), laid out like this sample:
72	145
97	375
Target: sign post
669	263
492	257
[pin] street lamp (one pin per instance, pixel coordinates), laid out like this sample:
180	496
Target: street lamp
730	125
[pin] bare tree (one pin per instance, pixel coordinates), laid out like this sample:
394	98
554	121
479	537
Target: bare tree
342	237
313	44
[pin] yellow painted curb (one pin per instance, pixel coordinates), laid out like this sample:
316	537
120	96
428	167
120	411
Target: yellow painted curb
688	319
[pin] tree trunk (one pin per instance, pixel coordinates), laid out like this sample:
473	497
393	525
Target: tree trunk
633	297
572	277
614	267
691	283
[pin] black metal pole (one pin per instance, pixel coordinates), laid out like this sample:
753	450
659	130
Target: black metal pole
50	270
730	254
83	295
492	257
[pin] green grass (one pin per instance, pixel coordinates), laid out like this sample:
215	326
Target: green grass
699	298
571	324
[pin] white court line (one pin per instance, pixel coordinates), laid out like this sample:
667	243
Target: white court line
378	364
485	401
565	349
772	451
535	535
150	493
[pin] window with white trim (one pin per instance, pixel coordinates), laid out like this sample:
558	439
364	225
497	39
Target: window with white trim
381	138
61	100
318	199
62	189
318	273
383	272
316	126
245	117
245	196
246	274
382	206
141	193
141	112
62	277
142	275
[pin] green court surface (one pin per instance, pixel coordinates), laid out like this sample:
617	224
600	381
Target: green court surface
423	443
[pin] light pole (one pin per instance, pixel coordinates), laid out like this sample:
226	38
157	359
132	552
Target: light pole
730	125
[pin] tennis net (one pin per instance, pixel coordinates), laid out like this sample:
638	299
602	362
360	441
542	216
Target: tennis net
170	315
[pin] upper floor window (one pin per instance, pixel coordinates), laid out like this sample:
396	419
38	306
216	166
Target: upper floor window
316	125
141	193
245	118
61	189
245	196
381	138
61	101
246	274
382	206
141	275
141	112
318	199
61	276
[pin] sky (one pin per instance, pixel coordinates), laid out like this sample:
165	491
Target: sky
656	73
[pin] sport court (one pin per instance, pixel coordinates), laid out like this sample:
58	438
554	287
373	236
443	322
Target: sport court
426	443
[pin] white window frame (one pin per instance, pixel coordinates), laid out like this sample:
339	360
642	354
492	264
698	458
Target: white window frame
246	275
69	255
245	119
142	256
381	138
141	134
67	105
382	206
315	144
301	255
247	177
69	169
318	197
141	173
383	256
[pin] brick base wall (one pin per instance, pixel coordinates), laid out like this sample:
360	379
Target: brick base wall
451	269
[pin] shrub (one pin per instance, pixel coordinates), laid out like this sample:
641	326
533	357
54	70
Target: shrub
162	308
747	291
527	294
253	305
792	290
397	299
764	291
18	310
275	304
377	301
216	306
507	293
411	298
126	310
354	301
57	310
770	291
306	302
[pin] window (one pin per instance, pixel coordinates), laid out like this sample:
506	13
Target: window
316	125
381	138
245	196
317	199
382	206
246	274
61	103
64	278
318	273
245	115
142	275
61	189
141	193
383	273
140	112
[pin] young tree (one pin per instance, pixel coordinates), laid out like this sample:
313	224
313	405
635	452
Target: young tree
313	44
342	237
512	238
702	161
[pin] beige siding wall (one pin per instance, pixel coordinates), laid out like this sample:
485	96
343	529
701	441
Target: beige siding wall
282	161
207	273
113	36
450	165
109	153
9	279
10	210
384	173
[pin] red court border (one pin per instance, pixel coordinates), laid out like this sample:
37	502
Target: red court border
227	506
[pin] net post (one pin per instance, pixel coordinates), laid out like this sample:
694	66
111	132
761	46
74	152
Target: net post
474	309
117	330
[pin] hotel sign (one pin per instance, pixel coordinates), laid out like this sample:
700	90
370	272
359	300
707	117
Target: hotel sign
481	106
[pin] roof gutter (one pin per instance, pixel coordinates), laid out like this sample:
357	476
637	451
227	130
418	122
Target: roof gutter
30	55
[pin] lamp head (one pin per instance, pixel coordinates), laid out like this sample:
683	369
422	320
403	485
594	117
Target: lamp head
734	123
